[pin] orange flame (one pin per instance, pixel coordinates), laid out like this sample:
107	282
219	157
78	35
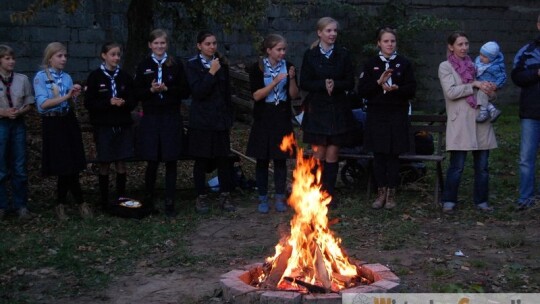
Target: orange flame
316	257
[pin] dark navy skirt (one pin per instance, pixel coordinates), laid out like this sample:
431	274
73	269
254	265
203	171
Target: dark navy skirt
269	128
62	149
159	137
114	143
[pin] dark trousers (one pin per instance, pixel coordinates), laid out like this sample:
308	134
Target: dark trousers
224	173
280	176
386	169
69	183
170	179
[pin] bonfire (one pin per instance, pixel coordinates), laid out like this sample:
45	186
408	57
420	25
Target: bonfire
310	259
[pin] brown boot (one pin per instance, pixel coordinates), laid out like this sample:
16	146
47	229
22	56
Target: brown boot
390	199
381	198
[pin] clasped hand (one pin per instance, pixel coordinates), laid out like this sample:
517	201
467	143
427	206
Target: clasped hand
487	87
75	91
157	87
383	81
115	101
329	86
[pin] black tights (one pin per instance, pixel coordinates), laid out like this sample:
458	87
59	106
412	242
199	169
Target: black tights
386	169
69	183
170	178
280	176
224	173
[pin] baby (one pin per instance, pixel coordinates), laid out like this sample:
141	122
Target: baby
489	67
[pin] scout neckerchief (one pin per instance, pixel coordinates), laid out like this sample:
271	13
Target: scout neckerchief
112	78
7	82
160	69
58	86
280	67
206	63
55	78
326	53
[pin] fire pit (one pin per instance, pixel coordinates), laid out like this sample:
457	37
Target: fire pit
309	265
237	289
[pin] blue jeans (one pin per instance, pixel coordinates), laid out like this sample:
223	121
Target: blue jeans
481	176
13	162
530	137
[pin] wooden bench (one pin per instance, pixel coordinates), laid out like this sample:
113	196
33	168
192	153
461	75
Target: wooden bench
435	125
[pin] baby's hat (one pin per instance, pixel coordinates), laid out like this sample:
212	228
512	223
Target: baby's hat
490	50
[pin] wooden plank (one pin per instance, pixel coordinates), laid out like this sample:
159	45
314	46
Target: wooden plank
242	102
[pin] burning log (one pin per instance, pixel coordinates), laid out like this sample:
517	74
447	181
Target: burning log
280	265
310	287
322	273
311	253
343	279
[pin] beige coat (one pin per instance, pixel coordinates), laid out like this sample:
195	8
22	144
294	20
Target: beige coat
462	131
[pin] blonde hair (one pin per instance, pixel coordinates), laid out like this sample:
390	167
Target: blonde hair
321	24
6	51
51	49
161	33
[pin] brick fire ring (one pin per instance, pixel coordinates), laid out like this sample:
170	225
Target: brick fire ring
236	288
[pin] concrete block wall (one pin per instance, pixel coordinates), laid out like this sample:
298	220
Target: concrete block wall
511	23
83	33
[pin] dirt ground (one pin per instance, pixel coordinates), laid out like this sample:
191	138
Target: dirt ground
501	253
499	256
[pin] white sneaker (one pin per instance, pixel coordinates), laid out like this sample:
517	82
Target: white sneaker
24	214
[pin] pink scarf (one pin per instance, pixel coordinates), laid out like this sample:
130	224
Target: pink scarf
465	69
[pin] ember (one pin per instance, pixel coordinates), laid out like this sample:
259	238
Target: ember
310	259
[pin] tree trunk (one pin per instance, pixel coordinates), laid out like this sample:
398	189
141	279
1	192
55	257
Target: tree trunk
140	22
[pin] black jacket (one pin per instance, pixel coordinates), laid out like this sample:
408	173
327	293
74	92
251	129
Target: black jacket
174	78
211	106
393	101
525	76
328	115
97	99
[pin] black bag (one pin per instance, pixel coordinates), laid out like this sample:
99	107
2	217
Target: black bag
129	208
423	143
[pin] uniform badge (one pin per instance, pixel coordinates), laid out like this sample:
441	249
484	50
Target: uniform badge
398	65
375	68
148	71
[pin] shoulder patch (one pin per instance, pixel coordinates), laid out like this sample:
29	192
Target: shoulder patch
362	75
36	81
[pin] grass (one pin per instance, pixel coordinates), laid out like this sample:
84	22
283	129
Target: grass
84	256
87	253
